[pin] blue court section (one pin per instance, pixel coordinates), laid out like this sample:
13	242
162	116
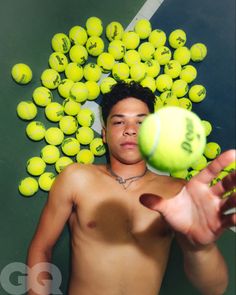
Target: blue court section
26	30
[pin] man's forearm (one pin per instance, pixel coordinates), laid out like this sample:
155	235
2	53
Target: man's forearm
205	267
36	261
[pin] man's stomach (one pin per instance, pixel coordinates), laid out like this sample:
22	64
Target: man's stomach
124	269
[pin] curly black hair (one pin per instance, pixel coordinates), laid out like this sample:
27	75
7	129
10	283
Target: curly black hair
122	90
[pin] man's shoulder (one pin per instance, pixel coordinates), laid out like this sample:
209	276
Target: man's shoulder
83	170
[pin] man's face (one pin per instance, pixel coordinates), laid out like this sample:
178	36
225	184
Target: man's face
122	127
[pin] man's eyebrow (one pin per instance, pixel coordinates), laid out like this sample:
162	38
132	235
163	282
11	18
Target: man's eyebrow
123	116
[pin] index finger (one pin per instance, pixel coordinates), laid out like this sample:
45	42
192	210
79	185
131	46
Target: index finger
216	166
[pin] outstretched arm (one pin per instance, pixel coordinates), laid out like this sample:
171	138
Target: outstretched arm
197	215
53	218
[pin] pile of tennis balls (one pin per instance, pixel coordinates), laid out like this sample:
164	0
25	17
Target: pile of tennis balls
88	61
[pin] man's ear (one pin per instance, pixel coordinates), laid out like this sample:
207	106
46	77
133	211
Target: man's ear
104	134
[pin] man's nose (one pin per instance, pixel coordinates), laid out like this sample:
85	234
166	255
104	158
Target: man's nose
130	130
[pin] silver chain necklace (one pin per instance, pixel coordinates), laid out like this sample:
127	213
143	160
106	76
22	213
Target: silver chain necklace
123	181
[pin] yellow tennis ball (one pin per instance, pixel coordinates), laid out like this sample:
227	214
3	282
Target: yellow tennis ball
74	72
219	177
58	61
200	164
107	84
35	166
120	71
71	107
197	93
54	111
50	154
46	180
117	49
50	78
152	68
68	125
188	73
26	110
61	42
35	130
163	82
177	38
182	55
191	174
163	55
168	94
198	52
86	117
95	45
131	57
138	71
94	26
143	28
180	174
78	54
21	73
54	136
158	103
70	146
180	87
185	103
84	135
78	35
92	72
97	147
130	39
149	82
172	101
177	139
28	186
42	96
106	62
207	127
79	92
62	163
114	31
64	87
93	89
85	156
173	68
231	167
157	38
212	150
146	51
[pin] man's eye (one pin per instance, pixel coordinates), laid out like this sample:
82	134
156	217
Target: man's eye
117	122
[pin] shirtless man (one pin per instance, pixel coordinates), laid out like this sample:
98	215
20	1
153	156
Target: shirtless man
119	246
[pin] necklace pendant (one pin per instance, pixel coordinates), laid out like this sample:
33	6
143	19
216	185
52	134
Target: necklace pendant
120	180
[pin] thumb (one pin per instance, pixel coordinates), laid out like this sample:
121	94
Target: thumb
153	202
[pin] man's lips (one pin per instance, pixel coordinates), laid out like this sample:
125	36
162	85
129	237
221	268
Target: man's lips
129	144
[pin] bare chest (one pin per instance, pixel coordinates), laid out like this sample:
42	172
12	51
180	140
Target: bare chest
117	218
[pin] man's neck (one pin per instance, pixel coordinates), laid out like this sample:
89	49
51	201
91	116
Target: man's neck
127	170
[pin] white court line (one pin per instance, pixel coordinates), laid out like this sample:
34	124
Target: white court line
147	11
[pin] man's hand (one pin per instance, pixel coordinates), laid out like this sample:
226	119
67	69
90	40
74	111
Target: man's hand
198	210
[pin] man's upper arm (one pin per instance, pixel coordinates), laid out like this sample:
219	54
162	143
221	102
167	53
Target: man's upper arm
55	213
